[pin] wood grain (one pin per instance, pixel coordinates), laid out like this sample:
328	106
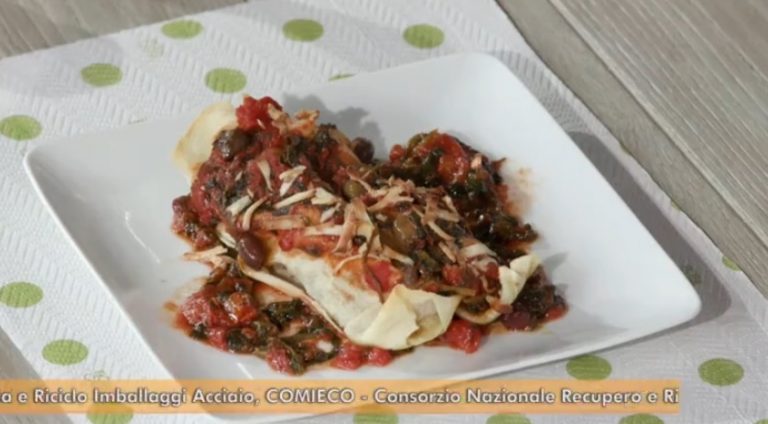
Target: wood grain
27	25
692	115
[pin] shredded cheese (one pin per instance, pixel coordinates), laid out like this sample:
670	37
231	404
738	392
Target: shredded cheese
365	227
245	219
447	216
392	198
447	250
339	266
298	197
266	172
279	118
288	177
449	202
348	230
439	231
221	261
224	236
483	263
393	254
238	205
476	249
286	222
324	230
323	197
328	213
206	255
304	122
356	222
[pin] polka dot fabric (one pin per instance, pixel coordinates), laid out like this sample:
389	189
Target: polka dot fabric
101	74
270	46
20	127
20	294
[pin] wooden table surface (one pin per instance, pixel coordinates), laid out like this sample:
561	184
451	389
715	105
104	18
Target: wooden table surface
682	84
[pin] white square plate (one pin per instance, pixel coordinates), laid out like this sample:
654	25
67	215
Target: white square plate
112	194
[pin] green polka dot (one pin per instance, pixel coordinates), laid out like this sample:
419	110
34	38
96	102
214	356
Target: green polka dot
303	30
589	367
20	294
763	421
721	372
20	127
101	74
424	36
508	419
65	352
339	76
225	80
185	28
730	264
641	419
123	416
370	418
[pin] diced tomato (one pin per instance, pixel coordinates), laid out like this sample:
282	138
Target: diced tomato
271	138
217	337
492	271
240	307
287	239
463	335
379	357
350	357
517	320
453	275
253	113
381	276
556	312
197	309
279	359
453	165
397	153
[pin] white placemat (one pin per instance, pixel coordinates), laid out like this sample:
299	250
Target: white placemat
66	326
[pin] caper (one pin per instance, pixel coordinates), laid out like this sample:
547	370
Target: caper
405	230
388	238
353	189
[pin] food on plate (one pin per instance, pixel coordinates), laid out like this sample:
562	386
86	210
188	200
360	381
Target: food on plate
322	253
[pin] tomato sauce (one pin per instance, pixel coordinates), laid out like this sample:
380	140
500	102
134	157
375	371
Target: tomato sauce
230	314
